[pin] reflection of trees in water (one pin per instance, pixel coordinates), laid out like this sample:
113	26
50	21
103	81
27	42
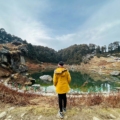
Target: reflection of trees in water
89	85
81	81
113	81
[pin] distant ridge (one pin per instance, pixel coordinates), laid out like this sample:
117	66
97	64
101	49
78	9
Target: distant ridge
74	54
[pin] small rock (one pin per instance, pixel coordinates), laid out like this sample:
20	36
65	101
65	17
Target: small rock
39	117
22	114
3	114
9	117
112	116
11	108
65	117
115	73
95	118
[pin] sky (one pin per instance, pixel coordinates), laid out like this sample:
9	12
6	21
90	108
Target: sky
58	24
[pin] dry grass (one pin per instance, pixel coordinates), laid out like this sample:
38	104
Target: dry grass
79	107
8	95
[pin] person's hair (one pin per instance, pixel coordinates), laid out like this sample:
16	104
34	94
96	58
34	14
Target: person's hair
61	63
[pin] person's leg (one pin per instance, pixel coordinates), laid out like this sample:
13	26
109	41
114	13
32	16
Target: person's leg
60	112
60	102
64	100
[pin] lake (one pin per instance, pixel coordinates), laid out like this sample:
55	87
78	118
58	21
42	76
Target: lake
79	83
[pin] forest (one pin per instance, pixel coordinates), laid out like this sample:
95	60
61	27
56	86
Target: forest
74	54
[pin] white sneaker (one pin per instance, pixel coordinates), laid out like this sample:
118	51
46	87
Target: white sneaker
60	115
64	110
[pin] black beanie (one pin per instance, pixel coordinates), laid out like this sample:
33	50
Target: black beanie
61	63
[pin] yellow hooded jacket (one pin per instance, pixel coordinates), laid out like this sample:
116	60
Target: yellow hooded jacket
61	80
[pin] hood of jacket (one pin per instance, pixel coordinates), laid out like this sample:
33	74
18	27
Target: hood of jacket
60	71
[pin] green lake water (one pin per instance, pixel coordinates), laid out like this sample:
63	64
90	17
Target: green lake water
79	82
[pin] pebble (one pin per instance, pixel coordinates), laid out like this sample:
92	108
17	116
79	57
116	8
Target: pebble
3	114
11	108
95	118
112	116
22	115
39	117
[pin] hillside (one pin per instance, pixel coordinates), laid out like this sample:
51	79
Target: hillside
36	53
104	68
74	54
18	59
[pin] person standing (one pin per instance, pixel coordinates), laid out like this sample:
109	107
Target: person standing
61	81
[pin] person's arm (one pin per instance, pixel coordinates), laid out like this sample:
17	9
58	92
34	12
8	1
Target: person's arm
55	79
69	77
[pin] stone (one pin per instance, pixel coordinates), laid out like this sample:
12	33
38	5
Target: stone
28	83
95	118
9	117
12	57
22	115
65	117
22	60
112	116
115	73
3	114
4	66
4	51
22	68
39	117
4	58
46	78
11	108
15	42
36	85
32	80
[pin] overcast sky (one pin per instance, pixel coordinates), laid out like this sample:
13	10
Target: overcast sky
59	24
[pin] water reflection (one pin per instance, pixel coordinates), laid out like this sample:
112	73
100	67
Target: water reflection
48	88
80	83
103	88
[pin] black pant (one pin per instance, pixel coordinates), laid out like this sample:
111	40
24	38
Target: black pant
62	100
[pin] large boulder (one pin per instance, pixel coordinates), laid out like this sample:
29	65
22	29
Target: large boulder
12	57
46	78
